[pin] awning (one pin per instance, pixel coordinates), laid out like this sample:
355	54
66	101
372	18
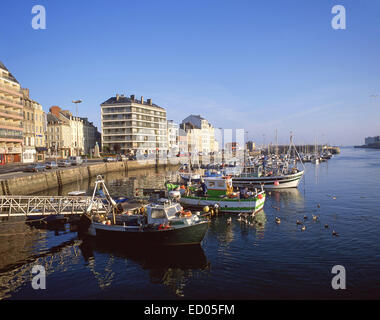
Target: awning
41	149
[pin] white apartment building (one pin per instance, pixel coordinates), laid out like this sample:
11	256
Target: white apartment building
173	137
200	134
132	125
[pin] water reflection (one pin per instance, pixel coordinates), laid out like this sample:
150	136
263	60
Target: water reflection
170	266
287	196
240	227
15	274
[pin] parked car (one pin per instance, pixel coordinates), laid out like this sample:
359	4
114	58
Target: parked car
64	163
51	165
35	167
76	161
109	159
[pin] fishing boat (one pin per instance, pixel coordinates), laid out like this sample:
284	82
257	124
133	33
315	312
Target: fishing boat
162	223
274	173
256	178
315	159
187	175
218	191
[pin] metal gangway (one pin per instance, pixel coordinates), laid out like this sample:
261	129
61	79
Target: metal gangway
13	206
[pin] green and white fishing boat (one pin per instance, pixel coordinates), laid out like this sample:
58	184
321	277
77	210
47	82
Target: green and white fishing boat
219	192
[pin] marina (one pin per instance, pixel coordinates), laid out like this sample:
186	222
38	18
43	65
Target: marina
190	159
278	252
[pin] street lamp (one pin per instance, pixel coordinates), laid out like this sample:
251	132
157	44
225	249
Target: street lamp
76	105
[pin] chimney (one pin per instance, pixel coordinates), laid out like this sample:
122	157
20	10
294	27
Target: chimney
142	100
117	97
133	97
25	91
149	101
55	110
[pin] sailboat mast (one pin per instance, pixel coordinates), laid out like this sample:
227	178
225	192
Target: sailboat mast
276	144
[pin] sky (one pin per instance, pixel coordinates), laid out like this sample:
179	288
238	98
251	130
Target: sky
260	66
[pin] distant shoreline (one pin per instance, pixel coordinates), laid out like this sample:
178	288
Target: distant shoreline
368	147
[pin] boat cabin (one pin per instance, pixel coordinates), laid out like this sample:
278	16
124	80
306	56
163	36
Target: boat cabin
217	186
167	212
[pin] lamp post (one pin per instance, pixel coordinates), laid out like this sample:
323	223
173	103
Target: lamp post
76	105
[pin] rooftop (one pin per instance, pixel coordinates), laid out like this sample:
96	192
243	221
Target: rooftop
10	76
123	100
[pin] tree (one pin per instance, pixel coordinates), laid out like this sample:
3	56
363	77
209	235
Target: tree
117	148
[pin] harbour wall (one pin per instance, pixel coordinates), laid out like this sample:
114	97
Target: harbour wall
37	182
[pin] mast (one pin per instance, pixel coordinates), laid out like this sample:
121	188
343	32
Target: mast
276	144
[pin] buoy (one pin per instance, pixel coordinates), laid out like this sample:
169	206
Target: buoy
206	209
276	183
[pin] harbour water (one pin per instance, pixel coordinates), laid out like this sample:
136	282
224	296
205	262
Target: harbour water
271	261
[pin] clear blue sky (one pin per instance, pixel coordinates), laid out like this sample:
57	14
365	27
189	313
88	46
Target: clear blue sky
257	65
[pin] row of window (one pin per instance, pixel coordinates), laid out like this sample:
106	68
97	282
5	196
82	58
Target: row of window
32	116
124	124
134	138
37	129
131	116
12	134
133	109
136	145
29	141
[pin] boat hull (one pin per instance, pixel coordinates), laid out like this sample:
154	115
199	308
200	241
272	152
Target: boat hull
271	182
187	235
225	206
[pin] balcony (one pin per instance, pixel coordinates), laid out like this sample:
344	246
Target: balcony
110	111
11	114
117	119
10	90
4	76
10	138
10	102
10	125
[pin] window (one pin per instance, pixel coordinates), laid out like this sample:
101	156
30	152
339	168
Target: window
173	210
158	214
221	184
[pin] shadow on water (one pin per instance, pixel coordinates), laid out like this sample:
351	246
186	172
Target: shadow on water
184	257
171	267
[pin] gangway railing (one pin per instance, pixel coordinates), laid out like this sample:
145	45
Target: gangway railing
12	206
